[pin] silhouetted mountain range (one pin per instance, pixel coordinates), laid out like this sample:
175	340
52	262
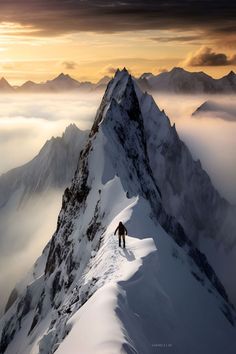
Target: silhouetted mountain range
176	80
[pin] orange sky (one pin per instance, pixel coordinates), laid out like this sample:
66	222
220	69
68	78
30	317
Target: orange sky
39	51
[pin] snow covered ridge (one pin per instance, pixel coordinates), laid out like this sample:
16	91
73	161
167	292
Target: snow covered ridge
84	294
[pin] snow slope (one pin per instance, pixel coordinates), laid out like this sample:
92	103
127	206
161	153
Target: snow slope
86	295
139	310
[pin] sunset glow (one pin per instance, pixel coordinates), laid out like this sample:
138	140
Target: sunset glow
91	39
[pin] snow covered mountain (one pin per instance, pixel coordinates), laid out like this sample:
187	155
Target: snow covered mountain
53	167
226	111
84	294
179	80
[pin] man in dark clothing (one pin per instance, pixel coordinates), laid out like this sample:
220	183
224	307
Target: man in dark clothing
122	231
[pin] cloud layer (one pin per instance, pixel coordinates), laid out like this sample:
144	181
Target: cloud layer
27	121
210	139
23	235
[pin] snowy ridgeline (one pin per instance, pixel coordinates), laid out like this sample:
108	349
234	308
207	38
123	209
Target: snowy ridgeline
85	294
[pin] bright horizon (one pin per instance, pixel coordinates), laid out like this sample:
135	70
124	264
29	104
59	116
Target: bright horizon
90	39
110	75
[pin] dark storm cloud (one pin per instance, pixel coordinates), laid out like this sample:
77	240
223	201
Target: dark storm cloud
207	57
61	16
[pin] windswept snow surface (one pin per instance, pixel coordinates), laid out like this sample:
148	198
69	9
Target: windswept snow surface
149	302
85	294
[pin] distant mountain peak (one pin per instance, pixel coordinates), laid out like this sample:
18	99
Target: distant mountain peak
231	74
70	132
177	69
3	79
63	76
104	80
146	75
4	85
71	127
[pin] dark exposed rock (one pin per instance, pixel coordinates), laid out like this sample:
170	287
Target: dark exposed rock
94	224
66	197
37	312
172	227
202	263
228	314
23	306
12	298
54	257
56	285
7	334
197	277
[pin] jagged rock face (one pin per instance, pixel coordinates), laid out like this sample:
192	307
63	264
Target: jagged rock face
116	153
187	191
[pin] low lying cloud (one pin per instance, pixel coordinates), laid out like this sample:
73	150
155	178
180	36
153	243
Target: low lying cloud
214	109
23	235
210	139
208	57
27	121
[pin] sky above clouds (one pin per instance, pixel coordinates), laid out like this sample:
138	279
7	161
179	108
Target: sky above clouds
86	38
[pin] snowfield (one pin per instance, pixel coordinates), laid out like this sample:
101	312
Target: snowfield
86	295
150	301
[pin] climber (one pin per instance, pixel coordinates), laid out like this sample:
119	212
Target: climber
122	231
